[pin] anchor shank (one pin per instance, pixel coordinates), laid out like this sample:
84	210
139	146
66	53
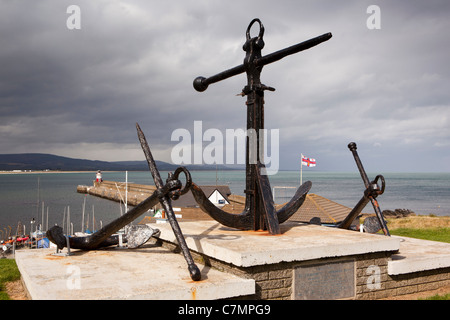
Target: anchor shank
114	226
255	116
102	237
255	123
267	205
347	222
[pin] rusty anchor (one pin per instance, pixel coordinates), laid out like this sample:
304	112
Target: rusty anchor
104	237
372	191
259	212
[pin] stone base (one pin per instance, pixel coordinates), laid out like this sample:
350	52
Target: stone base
315	262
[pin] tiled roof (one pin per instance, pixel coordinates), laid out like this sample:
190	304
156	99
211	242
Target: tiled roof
317	206
187	200
314	206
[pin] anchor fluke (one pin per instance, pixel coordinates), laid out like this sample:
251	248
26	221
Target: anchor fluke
245	219
295	203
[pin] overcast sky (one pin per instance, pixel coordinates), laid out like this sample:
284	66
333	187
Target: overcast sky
79	93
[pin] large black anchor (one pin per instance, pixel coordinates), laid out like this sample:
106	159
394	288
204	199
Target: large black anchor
104	237
259	212
372	191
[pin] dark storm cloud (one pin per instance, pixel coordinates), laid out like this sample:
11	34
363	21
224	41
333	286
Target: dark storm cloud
79	92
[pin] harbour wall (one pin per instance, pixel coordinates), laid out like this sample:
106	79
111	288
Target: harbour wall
116	191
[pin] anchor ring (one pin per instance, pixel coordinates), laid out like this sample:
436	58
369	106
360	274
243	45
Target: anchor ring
261	29
383	184
174	195
258	41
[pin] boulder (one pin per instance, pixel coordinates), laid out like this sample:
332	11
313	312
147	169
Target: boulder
397	213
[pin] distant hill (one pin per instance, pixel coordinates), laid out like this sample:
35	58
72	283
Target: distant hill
43	161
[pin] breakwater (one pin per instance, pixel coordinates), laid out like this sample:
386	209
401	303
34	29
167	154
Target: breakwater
131	193
134	194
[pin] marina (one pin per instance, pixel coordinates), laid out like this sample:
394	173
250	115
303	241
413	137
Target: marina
49	197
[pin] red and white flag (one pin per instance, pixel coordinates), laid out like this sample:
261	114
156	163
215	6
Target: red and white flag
309	162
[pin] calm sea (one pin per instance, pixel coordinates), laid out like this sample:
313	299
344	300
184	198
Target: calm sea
22	196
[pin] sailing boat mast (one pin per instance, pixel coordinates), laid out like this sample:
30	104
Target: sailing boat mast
82	215
126	191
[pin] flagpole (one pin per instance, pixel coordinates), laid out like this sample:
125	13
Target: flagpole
301	168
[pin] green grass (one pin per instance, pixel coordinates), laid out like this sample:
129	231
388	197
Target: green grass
8	272
438	297
434	234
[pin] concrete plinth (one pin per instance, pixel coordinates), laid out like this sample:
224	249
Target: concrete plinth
146	273
298	242
303	262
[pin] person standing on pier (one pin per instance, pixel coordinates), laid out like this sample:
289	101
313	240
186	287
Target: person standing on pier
98	176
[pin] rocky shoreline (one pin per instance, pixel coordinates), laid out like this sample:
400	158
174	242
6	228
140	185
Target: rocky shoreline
398	213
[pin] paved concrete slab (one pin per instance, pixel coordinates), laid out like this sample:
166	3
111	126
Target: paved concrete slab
419	255
298	242
148	272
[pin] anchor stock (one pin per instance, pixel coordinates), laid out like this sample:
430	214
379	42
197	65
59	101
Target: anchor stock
202	83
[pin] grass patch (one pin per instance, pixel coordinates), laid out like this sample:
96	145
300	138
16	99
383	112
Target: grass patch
8	272
430	227
438	297
419	222
434	234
